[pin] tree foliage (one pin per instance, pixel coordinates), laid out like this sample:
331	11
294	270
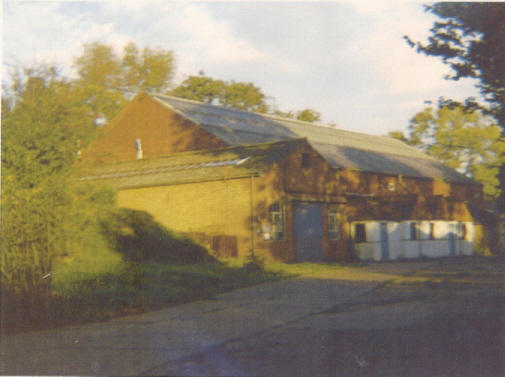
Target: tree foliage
466	140
242	96
102	72
308	115
470	38
41	128
237	95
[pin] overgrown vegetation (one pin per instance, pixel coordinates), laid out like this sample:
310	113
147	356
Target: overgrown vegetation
133	288
68	255
41	125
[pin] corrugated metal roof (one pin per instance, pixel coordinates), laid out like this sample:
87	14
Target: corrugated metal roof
248	124
198	166
341	148
352	158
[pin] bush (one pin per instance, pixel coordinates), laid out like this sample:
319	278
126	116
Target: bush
140	238
254	263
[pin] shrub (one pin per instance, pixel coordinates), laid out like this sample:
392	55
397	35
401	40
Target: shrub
254	263
140	238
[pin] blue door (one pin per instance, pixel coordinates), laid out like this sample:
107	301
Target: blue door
309	233
384	241
452	243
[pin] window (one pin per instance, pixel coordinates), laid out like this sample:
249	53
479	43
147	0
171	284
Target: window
413	231
305	160
359	233
278	221
333	223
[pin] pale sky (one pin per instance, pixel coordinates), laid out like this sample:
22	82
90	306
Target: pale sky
347	60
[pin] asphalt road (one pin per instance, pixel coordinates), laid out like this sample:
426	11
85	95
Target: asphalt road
429	318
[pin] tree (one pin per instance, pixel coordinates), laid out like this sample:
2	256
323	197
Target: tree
466	140
308	115
237	95
150	70
104	77
242	96
200	88
41	128
470	38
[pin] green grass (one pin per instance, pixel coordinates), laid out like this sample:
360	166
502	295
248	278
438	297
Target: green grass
304	269
98	286
292	269
138	287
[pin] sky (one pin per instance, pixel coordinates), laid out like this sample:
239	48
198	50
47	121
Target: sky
346	60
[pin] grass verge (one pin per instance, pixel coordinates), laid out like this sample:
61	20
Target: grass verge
133	289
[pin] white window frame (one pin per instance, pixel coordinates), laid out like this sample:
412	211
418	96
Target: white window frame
333	222
278	216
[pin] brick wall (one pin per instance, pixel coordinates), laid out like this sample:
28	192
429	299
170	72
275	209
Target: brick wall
213	208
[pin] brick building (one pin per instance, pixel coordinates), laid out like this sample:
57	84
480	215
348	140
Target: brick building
243	182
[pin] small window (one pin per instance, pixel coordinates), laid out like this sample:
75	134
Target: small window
278	221
392	186
333	223
413	231
359	233
305	160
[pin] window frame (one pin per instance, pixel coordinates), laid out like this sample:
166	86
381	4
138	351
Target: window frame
334	220
278	219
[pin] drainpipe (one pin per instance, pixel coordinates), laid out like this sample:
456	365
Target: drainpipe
253	235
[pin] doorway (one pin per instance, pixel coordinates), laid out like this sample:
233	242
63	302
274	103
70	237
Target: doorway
309	232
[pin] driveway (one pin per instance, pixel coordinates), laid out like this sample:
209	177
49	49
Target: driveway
289	327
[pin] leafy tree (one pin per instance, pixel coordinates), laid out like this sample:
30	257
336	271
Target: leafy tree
463	139
200	88
99	65
308	115
237	95
150	70
41	128
102	73
242	96
470	38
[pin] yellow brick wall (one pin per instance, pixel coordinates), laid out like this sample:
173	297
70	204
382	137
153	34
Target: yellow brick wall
213	208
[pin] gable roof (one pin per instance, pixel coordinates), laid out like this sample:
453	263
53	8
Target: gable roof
341	148
185	167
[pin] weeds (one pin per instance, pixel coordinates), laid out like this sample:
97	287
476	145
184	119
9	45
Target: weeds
135	288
